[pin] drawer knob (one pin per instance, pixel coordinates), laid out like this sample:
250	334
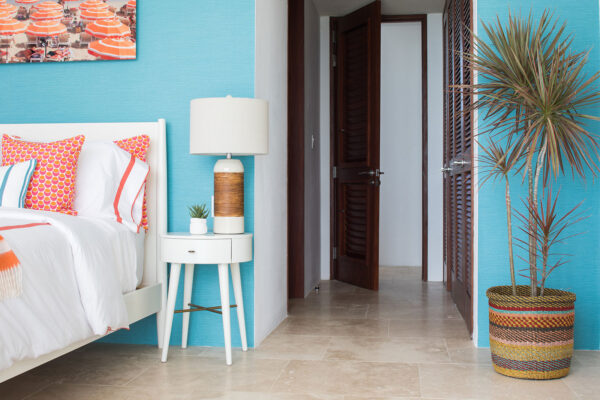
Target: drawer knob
191	251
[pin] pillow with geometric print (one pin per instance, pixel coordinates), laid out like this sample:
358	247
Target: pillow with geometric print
52	186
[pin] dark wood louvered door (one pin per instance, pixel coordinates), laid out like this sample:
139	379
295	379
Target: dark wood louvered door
458	154
356	72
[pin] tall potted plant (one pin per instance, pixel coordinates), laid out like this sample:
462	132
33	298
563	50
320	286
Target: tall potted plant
533	93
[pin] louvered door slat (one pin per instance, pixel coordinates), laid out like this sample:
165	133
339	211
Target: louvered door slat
458	146
356	127
355	124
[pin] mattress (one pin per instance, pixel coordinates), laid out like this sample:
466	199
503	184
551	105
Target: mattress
75	271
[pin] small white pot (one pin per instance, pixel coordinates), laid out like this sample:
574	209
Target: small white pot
198	226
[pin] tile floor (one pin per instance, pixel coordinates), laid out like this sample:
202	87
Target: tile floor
344	343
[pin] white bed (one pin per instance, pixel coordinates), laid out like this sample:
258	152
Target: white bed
149	297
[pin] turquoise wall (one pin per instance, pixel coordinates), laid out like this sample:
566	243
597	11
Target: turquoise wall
582	274
186	49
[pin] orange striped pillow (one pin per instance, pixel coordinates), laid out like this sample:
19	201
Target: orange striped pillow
52	186
138	147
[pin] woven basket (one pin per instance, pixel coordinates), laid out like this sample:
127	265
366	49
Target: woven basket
531	337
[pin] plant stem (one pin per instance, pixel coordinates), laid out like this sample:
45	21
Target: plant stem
545	263
538	169
531	229
510	245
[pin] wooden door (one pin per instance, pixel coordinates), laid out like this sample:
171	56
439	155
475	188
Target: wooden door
458	154
356	69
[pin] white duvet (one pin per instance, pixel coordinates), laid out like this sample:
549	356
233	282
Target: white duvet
74	273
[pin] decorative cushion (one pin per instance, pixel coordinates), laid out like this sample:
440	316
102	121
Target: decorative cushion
138	147
14	180
52	186
109	184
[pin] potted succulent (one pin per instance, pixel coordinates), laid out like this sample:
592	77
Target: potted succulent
532	93
198	216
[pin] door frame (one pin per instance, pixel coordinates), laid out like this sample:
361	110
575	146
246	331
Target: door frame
295	153
422	18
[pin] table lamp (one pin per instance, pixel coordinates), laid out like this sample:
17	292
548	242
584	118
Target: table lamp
229	126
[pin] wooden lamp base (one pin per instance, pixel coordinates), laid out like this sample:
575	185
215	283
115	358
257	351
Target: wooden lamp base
229	196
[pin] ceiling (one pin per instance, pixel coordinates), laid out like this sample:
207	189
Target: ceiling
388	7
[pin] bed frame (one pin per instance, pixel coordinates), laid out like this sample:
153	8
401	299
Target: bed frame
150	297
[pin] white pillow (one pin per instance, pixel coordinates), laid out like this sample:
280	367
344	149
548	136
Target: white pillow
110	184
14	180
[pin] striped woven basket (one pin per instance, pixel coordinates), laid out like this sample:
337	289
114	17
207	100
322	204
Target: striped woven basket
531	337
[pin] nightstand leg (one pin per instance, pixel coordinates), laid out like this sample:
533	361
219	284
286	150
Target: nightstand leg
187	298
224	285
239	300
161	315
172	295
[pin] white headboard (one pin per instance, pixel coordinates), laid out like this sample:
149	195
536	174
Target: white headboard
156	186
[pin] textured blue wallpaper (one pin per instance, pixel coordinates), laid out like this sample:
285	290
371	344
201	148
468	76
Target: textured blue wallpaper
582	275
186	49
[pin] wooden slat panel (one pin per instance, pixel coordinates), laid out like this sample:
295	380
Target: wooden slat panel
355	124
458	146
354	220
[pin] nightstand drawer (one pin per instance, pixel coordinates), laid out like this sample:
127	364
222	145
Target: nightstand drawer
196	251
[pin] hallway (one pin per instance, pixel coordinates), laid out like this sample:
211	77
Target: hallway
343	343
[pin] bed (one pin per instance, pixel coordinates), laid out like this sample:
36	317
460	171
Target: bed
132	284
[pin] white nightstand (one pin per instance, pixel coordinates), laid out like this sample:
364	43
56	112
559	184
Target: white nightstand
224	250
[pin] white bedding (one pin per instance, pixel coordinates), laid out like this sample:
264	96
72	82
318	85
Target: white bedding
74	273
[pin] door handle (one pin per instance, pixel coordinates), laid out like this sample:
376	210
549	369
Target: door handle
446	170
372	172
461	163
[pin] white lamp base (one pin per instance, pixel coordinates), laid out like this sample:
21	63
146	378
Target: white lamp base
228	224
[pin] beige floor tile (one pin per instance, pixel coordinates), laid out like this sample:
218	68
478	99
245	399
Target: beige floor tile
463	351
293	347
398	350
407	310
21	386
349	378
584	380
456	381
328	311
132	350
587	358
441	328
82	392
189	374
370	397
95	368
336	327
93	392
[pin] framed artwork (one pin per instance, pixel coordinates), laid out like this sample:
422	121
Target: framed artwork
35	31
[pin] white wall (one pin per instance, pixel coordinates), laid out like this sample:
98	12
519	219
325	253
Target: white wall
435	140
312	218
270	171
325	146
435	97
401	145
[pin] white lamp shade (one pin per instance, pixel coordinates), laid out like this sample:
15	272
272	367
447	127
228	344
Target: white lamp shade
229	125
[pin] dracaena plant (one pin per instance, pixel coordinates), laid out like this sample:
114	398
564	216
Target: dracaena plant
533	93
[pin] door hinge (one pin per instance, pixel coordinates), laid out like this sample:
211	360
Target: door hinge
335	253
334	172
334	60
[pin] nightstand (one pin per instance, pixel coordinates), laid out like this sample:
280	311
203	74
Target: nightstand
191	250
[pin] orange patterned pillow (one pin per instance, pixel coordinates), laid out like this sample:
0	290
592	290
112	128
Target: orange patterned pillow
52	186
138	147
